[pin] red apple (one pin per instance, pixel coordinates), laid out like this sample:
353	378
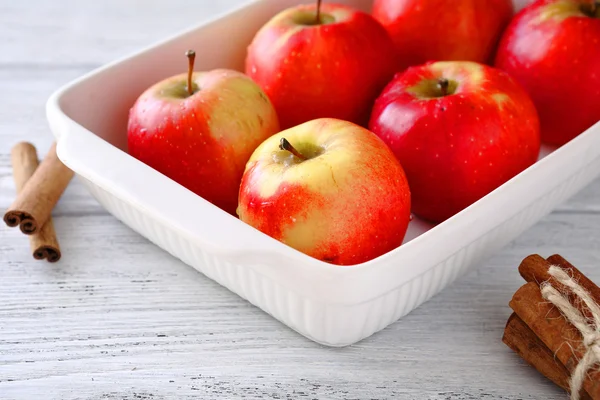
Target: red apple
328	188
459	129
552	47
331	67
200	129
438	30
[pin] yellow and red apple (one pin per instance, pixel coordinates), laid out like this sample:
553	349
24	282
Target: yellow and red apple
200	129
316	62
328	188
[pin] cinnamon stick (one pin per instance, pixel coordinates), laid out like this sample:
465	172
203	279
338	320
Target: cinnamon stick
44	244
33	205
583	280
548	324
535	269
24	162
592	383
529	347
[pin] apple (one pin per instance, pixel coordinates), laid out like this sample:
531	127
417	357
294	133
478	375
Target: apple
552	48
443	30
333	64
200	129
459	129
328	188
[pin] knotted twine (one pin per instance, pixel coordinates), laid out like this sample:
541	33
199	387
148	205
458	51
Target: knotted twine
588	327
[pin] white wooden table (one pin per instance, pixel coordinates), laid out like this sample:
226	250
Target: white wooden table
119	318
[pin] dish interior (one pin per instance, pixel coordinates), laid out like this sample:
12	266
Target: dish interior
103	108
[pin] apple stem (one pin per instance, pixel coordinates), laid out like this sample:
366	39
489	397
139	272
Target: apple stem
318	18
592	8
191	55
443	84
285	145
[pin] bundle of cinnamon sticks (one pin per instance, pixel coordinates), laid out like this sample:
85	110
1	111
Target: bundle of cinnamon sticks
39	187
555	326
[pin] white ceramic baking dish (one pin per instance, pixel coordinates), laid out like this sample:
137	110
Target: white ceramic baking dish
329	304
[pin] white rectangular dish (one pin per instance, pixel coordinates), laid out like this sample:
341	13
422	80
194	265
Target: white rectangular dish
332	305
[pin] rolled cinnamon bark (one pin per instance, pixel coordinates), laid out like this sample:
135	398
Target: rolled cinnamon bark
33	206
535	269
44	244
23	157
546	321
530	348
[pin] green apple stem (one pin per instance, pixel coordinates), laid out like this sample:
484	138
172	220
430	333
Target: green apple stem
285	145
191	55
318	18
443	85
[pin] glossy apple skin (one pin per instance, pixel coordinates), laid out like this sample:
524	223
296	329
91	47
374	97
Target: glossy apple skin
202	141
330	70
439	30
553	50
457	148
348	205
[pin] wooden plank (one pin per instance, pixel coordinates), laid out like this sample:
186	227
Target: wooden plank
116	302
71	32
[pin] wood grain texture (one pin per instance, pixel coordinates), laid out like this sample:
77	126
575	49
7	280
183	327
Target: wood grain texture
118	318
